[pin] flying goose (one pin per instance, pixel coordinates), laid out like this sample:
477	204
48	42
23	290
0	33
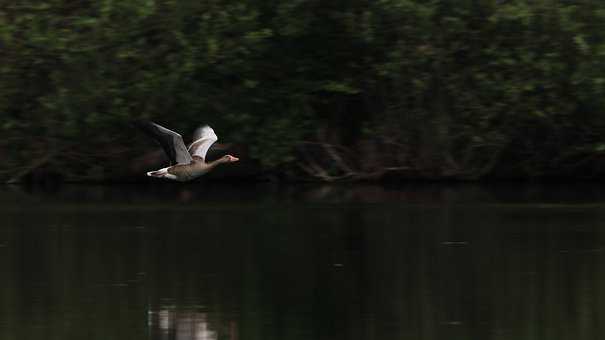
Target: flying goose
186	163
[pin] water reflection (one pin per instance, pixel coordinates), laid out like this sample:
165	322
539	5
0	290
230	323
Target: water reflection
305	267
183	324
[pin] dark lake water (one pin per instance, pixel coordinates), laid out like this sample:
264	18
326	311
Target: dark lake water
211	262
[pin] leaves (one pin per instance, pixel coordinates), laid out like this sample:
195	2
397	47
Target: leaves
462	84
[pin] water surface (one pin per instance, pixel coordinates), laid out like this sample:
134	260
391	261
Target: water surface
220	261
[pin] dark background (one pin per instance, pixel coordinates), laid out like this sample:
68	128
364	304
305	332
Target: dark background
306	89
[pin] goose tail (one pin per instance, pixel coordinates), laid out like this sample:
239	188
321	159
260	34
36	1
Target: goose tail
162	173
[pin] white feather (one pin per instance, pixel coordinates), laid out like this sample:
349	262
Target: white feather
203	138
161	173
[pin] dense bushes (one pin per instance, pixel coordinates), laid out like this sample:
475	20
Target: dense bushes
327	89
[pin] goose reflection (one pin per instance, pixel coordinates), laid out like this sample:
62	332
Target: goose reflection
173	324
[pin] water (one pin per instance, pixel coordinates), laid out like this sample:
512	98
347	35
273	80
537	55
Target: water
210	262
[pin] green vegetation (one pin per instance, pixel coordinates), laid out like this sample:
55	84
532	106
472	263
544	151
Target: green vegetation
321	89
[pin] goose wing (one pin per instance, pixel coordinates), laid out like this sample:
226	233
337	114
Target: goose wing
203	138
171	142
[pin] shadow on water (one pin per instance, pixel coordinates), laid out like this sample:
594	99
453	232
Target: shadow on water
307	262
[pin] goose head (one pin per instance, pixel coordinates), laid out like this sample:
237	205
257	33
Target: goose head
229	159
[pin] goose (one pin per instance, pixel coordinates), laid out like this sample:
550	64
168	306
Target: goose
186	163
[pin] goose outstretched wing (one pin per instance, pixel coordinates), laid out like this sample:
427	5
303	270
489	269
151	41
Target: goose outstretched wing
171	142
203	138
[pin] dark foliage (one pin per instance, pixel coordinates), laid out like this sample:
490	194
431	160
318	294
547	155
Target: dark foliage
323	89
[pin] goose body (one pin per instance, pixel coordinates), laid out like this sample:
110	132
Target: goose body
186	163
